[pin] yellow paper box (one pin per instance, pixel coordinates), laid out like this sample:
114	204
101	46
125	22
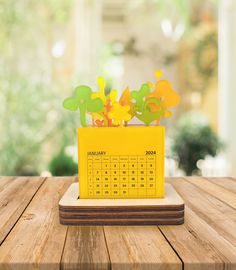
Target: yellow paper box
121	162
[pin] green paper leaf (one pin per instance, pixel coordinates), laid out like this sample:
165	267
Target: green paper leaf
147	116
71	104
140	95
83	93
144	90
95	105
142	111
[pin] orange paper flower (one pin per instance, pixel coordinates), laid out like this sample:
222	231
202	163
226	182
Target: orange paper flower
168	96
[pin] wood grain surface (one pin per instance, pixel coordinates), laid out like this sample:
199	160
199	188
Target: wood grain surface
85	248
15	194
37	240
140	248
32	237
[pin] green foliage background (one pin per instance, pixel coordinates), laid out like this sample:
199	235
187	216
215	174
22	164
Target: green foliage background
194	140
30	99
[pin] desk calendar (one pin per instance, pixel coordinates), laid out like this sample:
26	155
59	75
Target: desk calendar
121	162
121	166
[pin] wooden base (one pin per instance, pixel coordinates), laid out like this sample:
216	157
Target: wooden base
166	211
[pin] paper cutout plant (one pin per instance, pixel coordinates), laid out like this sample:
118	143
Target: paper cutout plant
150	103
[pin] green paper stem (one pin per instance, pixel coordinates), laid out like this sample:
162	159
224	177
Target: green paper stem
82	109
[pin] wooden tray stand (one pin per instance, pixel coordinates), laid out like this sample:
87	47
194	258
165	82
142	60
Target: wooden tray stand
166	211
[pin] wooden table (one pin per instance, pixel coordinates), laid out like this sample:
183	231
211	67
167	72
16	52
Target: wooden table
32	238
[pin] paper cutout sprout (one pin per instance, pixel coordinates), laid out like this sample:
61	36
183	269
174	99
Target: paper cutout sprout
83	100
150	103
142	109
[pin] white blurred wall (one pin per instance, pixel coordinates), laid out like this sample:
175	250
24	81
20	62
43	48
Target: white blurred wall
227	79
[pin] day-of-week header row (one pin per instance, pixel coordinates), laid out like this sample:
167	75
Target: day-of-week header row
121	159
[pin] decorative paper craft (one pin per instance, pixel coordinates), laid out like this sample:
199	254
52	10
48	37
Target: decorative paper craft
83	100
164	92
101	93
142	109
146	105
119	114
126	100
158	74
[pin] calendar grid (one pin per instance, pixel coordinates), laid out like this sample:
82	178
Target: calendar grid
121	176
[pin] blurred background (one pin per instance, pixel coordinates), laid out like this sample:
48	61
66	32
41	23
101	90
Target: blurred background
50	46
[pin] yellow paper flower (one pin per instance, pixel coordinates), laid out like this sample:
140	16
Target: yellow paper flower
101	93
158	74
113	95
119	114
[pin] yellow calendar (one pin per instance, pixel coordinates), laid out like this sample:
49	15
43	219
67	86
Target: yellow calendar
121	162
